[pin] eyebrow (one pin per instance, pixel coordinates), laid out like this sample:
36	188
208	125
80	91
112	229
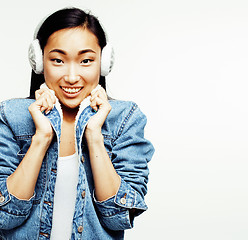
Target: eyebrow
79	53
85	51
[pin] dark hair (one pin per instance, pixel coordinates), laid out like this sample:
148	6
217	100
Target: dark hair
66	18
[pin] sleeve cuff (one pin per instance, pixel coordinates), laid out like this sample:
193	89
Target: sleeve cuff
115	211
12	204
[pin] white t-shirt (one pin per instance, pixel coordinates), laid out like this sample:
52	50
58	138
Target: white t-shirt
65	197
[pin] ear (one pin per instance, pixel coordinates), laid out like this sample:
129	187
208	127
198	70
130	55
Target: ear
35	56
107	60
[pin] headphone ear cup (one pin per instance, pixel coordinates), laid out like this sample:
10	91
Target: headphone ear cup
35	56
107	60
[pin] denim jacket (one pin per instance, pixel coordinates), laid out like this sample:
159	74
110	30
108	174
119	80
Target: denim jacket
127	148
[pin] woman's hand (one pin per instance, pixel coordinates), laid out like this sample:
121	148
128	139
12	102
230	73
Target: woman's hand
99	102
45	101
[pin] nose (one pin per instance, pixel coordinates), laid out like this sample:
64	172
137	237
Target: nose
72	75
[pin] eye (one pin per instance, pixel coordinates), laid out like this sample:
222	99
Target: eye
86	62
57	61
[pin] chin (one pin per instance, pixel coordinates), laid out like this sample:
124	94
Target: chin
70	105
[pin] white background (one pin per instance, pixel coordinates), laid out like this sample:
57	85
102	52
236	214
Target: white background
185	64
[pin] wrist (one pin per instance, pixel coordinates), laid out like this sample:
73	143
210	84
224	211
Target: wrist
42	139
94	136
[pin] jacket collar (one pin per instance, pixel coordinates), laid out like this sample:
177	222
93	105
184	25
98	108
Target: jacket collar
85	103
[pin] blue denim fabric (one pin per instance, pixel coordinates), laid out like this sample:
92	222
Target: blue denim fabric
128	150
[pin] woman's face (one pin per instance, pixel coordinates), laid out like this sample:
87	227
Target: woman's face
72	65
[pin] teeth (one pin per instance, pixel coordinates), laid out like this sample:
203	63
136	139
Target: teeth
71	90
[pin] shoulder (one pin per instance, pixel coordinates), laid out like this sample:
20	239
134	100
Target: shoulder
17	102
15	111
15	106
123	116
122	108
125	110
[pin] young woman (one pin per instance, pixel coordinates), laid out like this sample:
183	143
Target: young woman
73	163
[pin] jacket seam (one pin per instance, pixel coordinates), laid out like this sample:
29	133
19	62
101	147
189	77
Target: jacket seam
19	215
5	119
114	213
24	137
135	106
3	114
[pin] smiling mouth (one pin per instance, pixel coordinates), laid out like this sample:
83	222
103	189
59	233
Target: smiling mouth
71	90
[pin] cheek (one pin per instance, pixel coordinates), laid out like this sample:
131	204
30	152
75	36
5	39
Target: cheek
50	75
91	75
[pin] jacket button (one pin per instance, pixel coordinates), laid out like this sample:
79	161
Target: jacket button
83	194
80	229
82	159
123	201
2	199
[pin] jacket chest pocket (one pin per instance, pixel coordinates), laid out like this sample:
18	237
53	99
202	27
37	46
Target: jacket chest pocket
41	180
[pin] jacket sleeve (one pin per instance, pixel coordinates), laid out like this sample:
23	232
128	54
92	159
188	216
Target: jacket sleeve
131	153
13	212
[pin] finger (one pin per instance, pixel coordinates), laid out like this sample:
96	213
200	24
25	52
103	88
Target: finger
93	104
44	102
99	94
38	93
96	103
50	103
47	101
48	93
43	105
45	91
96	89
94	94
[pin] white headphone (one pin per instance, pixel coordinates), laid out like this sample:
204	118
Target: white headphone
35	56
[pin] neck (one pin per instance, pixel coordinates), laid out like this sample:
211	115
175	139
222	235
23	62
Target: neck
69	114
